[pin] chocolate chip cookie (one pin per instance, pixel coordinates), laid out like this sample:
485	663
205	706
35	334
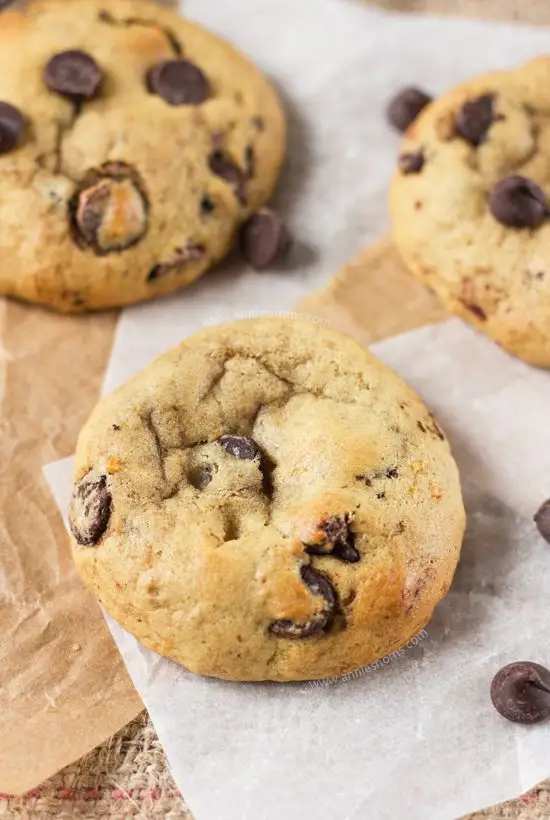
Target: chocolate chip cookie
267	502
133	146
470	205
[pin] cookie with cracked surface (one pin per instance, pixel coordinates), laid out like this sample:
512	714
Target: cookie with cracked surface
470	205
267	502
133	146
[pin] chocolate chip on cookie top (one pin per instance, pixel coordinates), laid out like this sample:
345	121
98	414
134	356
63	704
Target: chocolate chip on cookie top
520	692
475	118
411	163
334	536
321	587
222	166
518	202
12	124
73	74
264	239
178	82
109	211
405	107
192	252
90	509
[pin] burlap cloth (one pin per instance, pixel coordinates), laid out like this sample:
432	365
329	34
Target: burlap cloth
128	776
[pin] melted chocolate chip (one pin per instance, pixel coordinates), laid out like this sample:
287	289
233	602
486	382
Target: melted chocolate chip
520	692
12	124
542	520
518	202
181	257
318	585
74	75
223	167
178	82
90	509
263	239
411	163
109	212
338	540
241	447
405	107
475	118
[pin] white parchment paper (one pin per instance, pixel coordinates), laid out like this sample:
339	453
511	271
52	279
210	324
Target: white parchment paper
417	737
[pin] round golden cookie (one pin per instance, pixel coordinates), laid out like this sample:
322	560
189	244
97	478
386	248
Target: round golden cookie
469	205
133	144
267	501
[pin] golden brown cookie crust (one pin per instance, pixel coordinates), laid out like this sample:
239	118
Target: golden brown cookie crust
198	552
190	213
495	276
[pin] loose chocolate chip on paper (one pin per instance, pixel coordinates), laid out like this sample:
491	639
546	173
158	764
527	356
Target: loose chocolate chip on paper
109	212
178	82
263	238
242	447
405	107
90	509
520	692
12	124
475	118
411	163
318	585
223	167
518	202
73	74
542	520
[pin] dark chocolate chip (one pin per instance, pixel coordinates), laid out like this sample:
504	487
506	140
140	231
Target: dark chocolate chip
392	473
242	447
518	202
178	82
249	161
73	74
200	477
258	123
263	238
476	310
109	212
207	205
12	124
90	509
223	167
475	118
542	520
405	107
520	692
411	163
181	257
318	585
116	426
380	495
339	540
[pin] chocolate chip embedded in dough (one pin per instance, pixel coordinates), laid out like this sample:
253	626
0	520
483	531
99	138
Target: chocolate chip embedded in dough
318	585
90	509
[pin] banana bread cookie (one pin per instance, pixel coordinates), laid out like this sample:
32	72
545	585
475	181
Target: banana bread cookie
267	501
469	205
133	145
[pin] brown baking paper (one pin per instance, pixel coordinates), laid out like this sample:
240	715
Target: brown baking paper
63	685
525	11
